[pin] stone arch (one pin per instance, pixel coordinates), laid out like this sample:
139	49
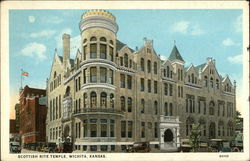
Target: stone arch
168	135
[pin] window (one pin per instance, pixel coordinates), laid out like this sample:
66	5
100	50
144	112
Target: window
189	80
93	51
149	86
155	68
164	72
85	100
156	130
126	60
168	71
84	76
142	84
129	104
122	77
149	66
142	65
166	109
211	82
142	106
84	52
123	129
179	74
171	109
111	77
93	39
211	108
76	85
130	129
122	103
217	84
93	128
103	39
142	129
155	86
104	128
93	100
103	75
121	61
192	75
111	53
170	89
103	51
129	81
130	63
111	42
103	100
93	75
205	81
104	147
156	107
111	100
112	128
165	89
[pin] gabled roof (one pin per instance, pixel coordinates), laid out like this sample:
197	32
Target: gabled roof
197	68
120	45
175	55
71	60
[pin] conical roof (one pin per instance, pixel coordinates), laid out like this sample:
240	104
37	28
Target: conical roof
175	55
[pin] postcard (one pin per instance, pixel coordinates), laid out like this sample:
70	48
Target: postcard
124	80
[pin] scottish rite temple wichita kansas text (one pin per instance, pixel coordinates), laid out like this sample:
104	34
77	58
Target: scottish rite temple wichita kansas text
111	96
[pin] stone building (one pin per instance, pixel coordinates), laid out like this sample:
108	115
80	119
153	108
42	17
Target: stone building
111	96
32	116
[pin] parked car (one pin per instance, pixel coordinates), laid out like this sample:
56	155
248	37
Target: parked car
220	145
64	147
15	147
50	147
139	147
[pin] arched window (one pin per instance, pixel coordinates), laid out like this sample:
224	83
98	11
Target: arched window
129	104
168	71
93	50
112	100
212	130
103	100
85	100
195	80
103	75
217	84
103	39
93	38
126	60
142	106
164	72
155	68
93	100
111	53
122	103
205	81
156	107
54	74
84	52
93	75
192	75
103	51
212	82
149	66
189	78
142	64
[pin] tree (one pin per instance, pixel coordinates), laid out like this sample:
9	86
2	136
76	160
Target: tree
194	137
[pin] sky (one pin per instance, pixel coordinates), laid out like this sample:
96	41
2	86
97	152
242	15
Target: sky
198	34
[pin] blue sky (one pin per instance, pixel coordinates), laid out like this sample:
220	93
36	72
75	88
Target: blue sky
34	35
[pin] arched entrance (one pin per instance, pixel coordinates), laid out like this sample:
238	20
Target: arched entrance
168	136
212	130
66	131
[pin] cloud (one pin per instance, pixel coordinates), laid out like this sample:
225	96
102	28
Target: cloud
52	20
238	24
228	42
163	57
43	33
74	42
31	19
237	59
186	27
34	50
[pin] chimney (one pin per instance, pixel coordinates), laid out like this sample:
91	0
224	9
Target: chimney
66	49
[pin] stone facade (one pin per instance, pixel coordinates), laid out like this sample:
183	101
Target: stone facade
111	96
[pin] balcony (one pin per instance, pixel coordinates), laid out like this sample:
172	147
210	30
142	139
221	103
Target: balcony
98	111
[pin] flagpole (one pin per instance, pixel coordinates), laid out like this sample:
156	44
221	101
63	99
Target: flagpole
21	79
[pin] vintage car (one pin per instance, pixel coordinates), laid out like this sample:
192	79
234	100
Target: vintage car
50	147
64	147
139	147
15	147
219	145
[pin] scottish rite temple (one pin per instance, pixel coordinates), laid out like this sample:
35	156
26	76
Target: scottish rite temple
111	96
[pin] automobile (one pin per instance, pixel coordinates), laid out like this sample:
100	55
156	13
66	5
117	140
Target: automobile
50	147
220	145
185	145
139	147
15	147
64	147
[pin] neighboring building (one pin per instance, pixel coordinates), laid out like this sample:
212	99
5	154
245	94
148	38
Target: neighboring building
17	112
13	136
33	112
110	95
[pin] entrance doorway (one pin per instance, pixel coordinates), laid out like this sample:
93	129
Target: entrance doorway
168	136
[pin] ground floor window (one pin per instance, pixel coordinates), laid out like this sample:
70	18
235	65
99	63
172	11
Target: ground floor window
84	147
93	148
112	147
104	148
